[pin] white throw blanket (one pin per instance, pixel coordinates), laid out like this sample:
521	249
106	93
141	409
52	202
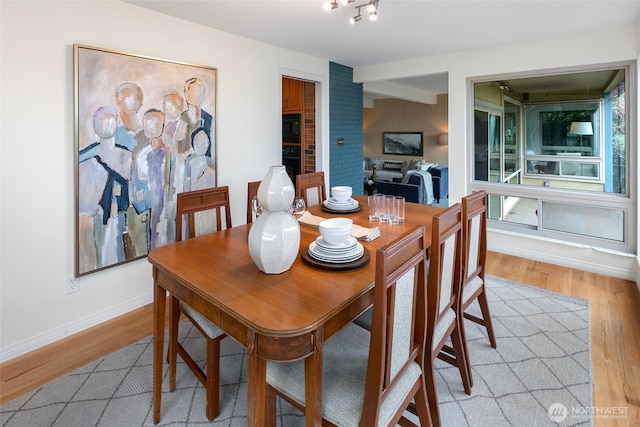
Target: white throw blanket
427	184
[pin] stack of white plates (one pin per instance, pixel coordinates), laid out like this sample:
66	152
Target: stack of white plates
335	205
350	251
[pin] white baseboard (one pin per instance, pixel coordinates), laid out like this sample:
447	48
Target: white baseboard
608	263
79	325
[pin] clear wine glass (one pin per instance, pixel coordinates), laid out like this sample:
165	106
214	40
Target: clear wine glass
256	206
298	207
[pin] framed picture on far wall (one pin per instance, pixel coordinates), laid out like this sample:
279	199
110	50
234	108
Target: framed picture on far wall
144	132
403	143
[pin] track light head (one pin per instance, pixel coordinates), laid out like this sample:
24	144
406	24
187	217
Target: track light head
330	5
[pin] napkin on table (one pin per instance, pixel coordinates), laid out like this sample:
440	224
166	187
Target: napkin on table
361	233
365	234
309	219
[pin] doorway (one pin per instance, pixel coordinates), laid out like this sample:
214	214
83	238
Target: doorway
298	126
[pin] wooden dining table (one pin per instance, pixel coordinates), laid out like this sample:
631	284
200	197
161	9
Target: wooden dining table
277	317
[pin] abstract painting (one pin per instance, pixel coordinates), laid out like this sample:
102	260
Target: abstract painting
404	143
144	132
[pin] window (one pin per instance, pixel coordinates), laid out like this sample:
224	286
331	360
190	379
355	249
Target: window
552	152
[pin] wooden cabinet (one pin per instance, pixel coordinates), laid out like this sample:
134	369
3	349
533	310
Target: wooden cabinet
292	95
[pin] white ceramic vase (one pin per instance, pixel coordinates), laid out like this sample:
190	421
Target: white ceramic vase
274	238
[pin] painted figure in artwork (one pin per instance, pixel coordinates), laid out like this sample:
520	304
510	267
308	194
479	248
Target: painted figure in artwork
148	174
129	98
200	168
173	106
104	170
195	117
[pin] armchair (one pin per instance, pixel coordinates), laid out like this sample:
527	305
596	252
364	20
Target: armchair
412	191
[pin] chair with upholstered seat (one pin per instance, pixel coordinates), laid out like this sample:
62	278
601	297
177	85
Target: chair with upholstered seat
370	378
252	190
444	285
205	210
474	218
311	187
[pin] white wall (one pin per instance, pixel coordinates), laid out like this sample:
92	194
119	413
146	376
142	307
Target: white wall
37	149
606	46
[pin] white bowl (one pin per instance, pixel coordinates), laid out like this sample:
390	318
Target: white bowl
335	231
341	193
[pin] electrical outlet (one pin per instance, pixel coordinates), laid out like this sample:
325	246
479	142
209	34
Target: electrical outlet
72	285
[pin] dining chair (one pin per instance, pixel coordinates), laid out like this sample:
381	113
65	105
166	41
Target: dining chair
474	220
370	378
444	285
204	211
311	187
252	190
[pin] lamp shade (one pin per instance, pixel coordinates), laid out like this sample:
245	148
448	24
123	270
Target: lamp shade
443	139
581	128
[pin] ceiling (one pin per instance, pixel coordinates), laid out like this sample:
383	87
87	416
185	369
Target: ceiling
575	85
405	29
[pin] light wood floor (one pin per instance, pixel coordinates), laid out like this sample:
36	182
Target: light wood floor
615	328
615	337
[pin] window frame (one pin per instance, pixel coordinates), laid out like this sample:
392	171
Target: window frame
563	159
624	202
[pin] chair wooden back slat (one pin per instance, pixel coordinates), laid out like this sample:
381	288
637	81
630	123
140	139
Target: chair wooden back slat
311	187
474	216
191	202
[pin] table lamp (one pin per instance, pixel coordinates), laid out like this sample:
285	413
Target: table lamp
580	129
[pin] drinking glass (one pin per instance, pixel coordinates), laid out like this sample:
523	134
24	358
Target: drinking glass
387	204
297	207
379	204
256	206
371	203
397	210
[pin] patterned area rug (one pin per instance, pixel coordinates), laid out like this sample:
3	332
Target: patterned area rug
540	375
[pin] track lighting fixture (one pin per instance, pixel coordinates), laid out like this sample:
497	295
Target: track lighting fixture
371	7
